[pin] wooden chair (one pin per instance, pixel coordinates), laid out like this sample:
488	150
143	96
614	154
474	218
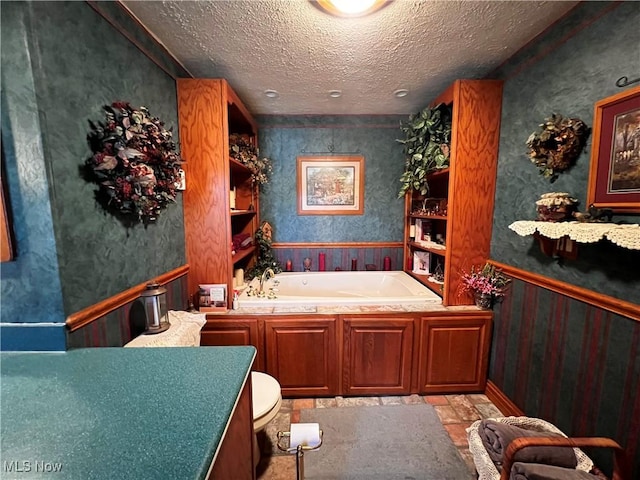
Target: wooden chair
620	465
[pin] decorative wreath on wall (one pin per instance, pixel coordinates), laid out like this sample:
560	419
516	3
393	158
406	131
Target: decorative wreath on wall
134	162
557	145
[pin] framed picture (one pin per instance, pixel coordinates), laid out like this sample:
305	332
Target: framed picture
421	262
331	185
614	173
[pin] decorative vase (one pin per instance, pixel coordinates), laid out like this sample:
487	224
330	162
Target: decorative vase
483	300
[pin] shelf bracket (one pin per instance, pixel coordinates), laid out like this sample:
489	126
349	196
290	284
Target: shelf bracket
563	247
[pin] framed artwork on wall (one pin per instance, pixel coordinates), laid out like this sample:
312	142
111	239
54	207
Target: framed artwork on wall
614	173
331	185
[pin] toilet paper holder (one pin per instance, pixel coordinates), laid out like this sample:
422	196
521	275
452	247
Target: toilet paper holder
299	451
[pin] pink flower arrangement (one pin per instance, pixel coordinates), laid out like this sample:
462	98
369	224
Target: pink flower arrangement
488	280
134	162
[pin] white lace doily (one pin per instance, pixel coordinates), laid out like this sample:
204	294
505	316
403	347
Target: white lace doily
485	466
184	332
626	236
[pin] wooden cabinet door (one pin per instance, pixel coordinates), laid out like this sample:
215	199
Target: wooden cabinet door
236	454
302	355
235	332
377	356
454	353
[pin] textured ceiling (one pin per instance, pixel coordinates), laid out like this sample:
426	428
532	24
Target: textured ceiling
301	52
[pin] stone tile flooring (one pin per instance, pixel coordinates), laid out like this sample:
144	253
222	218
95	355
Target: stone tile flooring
456	413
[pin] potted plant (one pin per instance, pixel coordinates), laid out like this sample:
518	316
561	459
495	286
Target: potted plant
266	259
242	150
426	146
557	145
487	284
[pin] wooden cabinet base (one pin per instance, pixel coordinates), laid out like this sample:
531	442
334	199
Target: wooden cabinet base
235	458
454	353
377	356
236	331
302	355
364	354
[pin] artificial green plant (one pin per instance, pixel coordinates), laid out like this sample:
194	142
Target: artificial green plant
427	142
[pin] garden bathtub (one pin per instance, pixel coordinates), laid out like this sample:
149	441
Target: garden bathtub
340	288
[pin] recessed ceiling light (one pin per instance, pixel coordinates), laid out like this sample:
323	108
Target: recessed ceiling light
350	8
271	93
401	92
335	93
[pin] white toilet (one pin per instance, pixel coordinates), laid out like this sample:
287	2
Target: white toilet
266	399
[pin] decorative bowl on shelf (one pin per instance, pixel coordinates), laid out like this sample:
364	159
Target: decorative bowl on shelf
555	207
549	214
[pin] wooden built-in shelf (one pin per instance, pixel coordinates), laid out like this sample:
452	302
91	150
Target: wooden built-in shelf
437	251
238	167
242	212
243	253
463	192
209	112
438	173
427	282
428	217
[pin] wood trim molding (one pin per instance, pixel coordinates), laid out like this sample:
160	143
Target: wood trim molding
615	305
337	245
97	310
501	401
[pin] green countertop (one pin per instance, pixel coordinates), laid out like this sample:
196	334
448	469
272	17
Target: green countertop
117	413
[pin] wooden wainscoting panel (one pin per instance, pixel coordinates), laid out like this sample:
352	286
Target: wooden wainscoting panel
97	310
501	401
615	305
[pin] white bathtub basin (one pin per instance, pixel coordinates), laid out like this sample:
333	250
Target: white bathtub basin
340	288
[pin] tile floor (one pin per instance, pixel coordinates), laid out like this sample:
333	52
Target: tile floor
456	413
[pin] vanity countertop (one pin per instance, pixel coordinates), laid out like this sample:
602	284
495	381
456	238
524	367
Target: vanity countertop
112	413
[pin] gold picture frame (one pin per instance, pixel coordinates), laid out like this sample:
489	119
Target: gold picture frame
330	185
614	172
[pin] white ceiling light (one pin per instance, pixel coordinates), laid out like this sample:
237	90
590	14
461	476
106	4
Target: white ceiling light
271	93
350	8
401	92
335	93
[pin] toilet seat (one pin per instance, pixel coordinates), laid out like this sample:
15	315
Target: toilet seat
266	398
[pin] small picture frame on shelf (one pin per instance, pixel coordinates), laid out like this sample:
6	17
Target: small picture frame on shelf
421	263
212	297
422	230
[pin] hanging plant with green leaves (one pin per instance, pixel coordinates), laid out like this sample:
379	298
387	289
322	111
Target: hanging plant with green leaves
427	145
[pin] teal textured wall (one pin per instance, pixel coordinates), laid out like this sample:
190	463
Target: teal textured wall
573	66
284	138
61	62
31	290
556	358
570	363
